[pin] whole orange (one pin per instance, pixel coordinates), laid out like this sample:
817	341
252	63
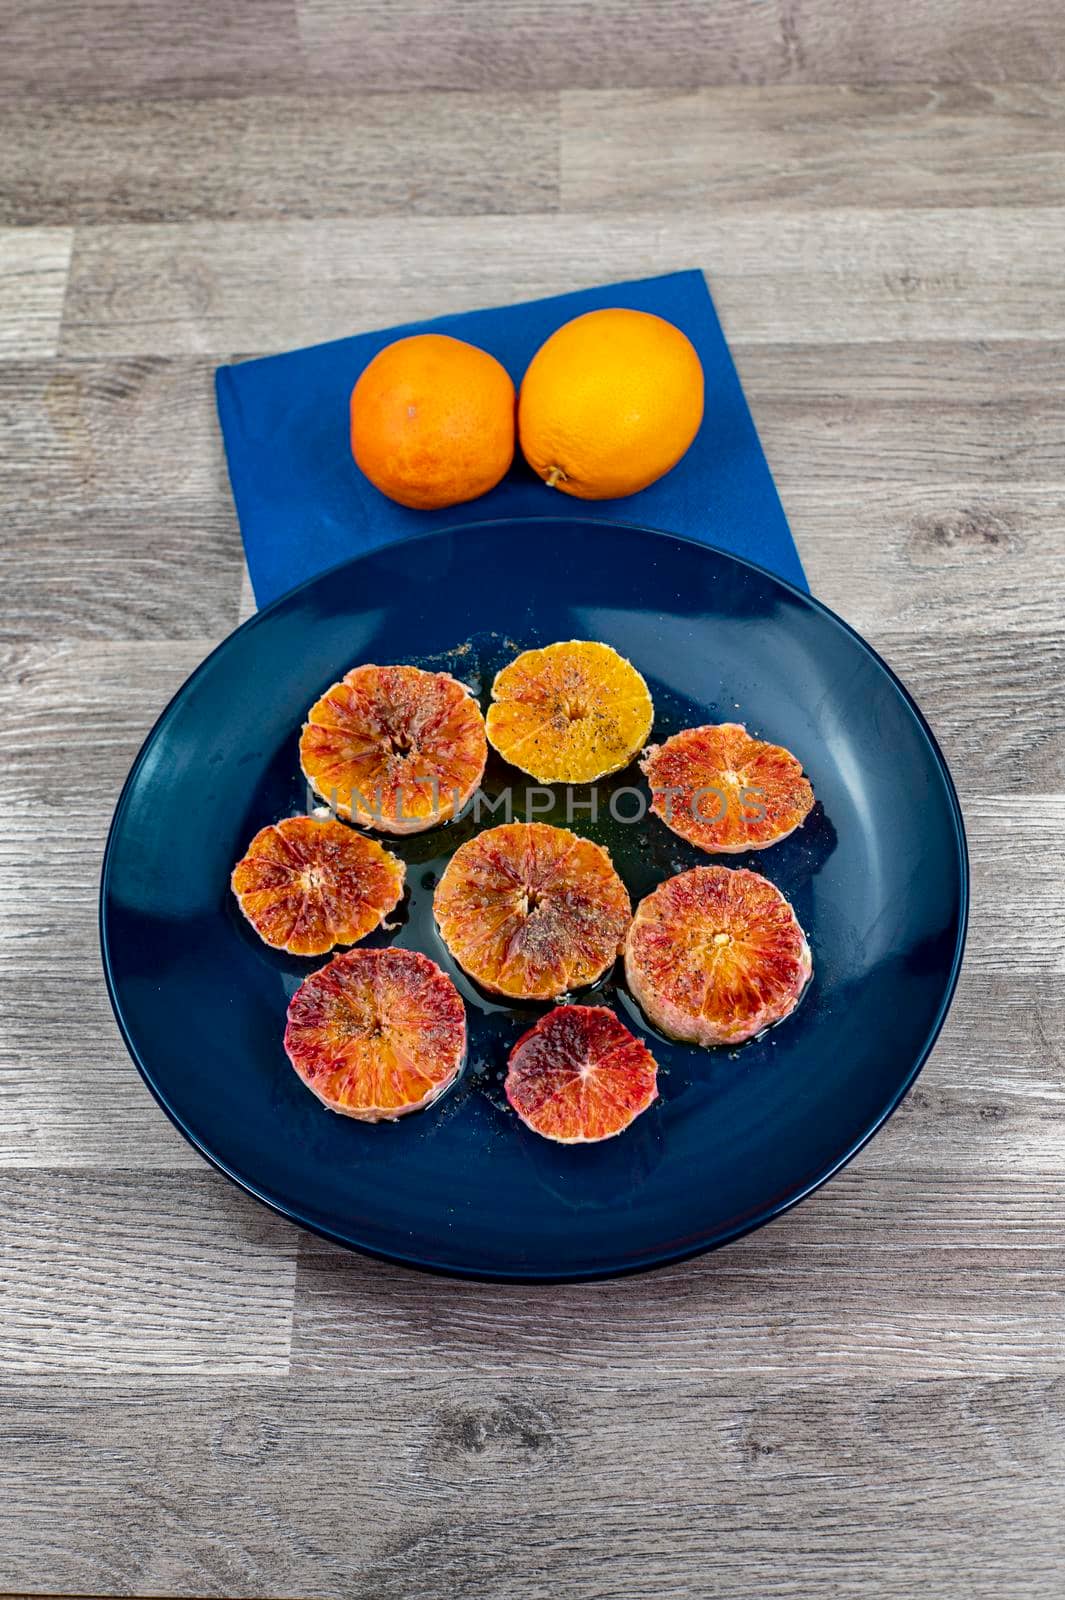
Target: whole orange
432	421
609	403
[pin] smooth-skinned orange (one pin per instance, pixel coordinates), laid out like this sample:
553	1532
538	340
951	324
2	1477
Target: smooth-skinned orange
432	421
610	403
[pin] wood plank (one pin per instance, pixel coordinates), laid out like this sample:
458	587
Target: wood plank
117	1275
1016	874
889	557
1007	743
810	278
354	1486
797	146
157	572
900	1275
1014	440
33	278
122	522
550	43
159	160
992	1095
120	47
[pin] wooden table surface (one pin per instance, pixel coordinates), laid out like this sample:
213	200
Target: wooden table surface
867	1398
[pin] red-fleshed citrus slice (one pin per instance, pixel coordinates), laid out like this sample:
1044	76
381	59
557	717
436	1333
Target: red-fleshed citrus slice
569	713
724	791
716	955
309	883
532	911
395	748
579	1075
377	1033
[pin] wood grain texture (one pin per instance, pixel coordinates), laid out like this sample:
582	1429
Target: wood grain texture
799	146
245	1507
130	447
33	278
109	48
326	156
107	1274
978	1301
865	1400
806	278
632	43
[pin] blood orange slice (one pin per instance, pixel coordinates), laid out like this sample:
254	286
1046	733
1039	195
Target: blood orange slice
308	883
716	955
569	713
377	1033
724	791
579	1075
532	911
395	748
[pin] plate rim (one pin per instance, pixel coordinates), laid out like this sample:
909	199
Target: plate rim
773	1209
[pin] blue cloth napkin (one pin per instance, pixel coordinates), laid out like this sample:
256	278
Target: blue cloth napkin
303	504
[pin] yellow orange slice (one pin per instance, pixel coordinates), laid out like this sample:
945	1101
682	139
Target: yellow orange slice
580	1076
569	713
532	911
726	792
394	748
715	955
377	1033
308	883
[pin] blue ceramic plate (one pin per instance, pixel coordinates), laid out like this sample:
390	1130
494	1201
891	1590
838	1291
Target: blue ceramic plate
878	877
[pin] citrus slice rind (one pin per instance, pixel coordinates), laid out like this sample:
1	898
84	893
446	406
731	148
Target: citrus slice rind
569	713
307	884
531	911
395	749
579	1076
725	791
716	955
376	1034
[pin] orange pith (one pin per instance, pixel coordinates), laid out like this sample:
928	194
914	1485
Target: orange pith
306	884
579	1075
569	713
394	748
715	955
724	791
377	1033
532	911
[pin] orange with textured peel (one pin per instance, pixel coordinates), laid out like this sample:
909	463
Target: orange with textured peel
569	713
307	884
532	911
432	421
726	792
716	955
580	1076
610	403
394	748
377	1033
